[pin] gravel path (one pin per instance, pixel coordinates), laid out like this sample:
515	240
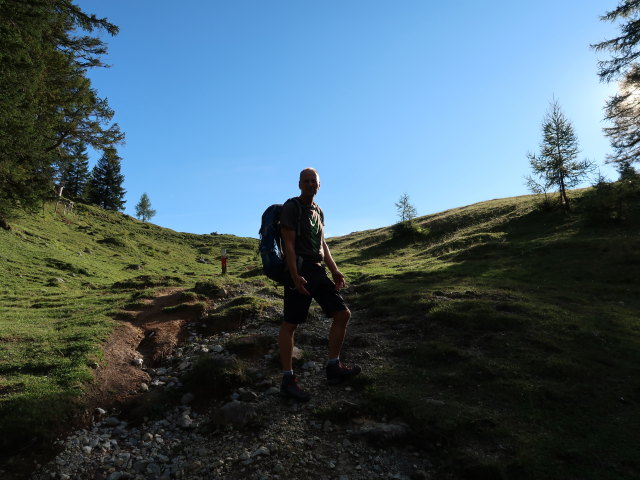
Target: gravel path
253	433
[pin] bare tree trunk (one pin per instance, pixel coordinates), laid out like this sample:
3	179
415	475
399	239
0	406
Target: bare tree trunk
563	194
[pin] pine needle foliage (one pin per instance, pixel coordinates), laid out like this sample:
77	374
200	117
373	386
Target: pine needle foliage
73	171
143	208
406	211
105	186
47	103
556	166
623	109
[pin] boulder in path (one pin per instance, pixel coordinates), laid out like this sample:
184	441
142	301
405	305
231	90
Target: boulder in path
237	414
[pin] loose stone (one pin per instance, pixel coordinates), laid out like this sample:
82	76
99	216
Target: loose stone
261	451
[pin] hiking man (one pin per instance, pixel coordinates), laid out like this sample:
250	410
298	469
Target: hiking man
302	231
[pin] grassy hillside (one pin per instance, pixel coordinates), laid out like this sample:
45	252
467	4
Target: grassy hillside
518	336
65	277
508	336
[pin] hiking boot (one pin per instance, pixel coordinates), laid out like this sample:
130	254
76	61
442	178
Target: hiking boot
338	372
290	388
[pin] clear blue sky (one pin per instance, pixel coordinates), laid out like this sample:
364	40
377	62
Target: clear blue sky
224	102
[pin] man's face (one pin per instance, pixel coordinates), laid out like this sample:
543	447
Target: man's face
309	183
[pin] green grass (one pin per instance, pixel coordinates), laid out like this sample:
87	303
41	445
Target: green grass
513	332
65	277
521	357
231	315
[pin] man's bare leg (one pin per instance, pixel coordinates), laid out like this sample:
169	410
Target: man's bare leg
336	370
285	343
289	385
338	331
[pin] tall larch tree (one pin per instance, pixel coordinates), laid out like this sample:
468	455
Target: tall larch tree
556	165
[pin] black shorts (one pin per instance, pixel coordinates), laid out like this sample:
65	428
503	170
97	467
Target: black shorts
322	290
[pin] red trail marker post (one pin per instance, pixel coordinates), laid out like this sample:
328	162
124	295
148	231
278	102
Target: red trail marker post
223	260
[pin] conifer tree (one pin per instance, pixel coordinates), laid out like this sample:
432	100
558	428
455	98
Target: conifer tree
47	102
73	171
406	211
623	109
105	185
556	164
143	208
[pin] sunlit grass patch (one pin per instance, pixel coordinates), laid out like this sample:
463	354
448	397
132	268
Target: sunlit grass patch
67	278
232	314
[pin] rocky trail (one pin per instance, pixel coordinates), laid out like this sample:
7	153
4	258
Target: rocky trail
177	399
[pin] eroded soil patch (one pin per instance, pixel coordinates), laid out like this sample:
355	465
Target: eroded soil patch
149	333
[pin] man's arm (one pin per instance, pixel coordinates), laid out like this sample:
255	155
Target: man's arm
338	278
289	237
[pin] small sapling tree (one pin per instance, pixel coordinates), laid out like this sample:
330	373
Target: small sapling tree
405	228
143	208
406	211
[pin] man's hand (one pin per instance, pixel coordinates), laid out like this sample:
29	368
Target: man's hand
338	279
299	282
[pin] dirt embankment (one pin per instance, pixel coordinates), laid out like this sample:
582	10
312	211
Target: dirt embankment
149	331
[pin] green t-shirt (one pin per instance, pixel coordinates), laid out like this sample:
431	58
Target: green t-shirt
309	242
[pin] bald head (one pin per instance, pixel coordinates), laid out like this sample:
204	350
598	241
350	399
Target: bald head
309	184
309	170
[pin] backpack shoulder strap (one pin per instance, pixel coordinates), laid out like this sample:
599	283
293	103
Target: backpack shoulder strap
298	205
